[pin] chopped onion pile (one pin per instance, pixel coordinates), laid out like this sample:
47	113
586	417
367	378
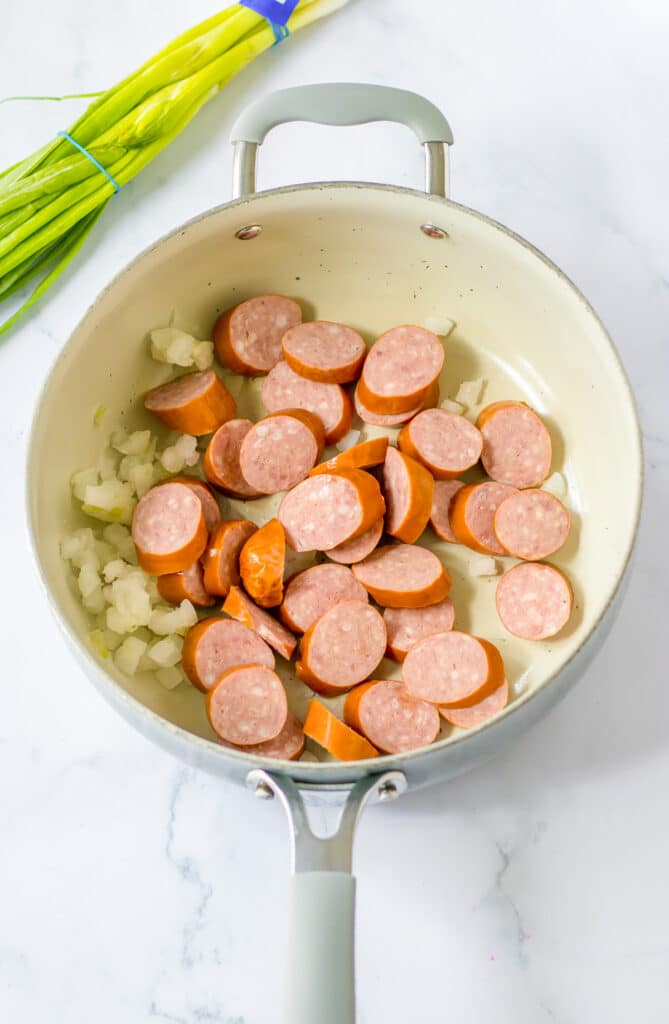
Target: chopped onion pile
170	345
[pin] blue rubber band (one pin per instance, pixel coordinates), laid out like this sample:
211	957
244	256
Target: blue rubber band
117	187
281	32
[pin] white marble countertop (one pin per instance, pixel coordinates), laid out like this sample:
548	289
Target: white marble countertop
535	888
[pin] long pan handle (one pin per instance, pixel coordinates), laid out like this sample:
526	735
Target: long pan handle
321	977
341	103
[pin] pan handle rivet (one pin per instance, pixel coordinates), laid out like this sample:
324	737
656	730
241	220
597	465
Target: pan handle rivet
248	231
264	791
432	231
388	791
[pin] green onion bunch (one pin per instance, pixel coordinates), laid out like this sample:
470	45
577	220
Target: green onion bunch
50	201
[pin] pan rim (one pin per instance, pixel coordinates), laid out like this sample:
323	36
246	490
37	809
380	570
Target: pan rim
113	691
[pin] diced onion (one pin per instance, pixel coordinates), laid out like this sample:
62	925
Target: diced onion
470	392
128	654
452	406
97	639
555	484
95	601
115	534
186	445
112	501
107	464
164	621
142	478
80	481
88	580
203	355
137	443
348	440
482	565
439	324
166	652
170	678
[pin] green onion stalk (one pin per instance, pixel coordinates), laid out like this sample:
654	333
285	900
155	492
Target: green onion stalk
51	200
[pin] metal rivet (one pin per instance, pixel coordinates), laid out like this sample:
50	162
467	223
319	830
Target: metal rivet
263	791
248	231
388	791
432	231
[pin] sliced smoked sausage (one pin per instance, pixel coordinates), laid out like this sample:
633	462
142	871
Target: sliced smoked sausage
326	510
531	524
330	733
403	576
517	447
408	489
220	560
262	562
355	550
196	403
472	515
444	441
186	585
341	648
314	591
242	608
359	456
400	367
453	668
168	529
406	626
444	492
477	714
325	352
279	450
282	388
375	419
390	718
221	460
247	337
214	645
287	746
212	513
534	600
247	705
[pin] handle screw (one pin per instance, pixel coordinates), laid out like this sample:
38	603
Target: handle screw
388	791
263	791
432	231
248	232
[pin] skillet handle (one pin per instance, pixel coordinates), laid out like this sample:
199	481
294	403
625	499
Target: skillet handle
341	103
320	984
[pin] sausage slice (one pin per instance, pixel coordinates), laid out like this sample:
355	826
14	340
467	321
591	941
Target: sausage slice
212	513
287	746
403	576
214	645
196	403
279	451
221	460
341	648
375	419
531	524
400	366
390	718
359	456
220	560
186	585
534	600
444	492
472	515
311	593
444	441
262	562
408	489
247	705
247	338
453	668
322	351
517	447
477	714
326	510
330	733
168	529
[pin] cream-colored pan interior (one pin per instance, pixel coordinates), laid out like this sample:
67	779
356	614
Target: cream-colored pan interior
357	254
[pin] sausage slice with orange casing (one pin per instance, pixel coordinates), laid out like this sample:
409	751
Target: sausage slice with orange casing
220	560
359	456
279	450
214	645
472	515
326	510
445	442
168	529
330	733
408	489
186	585
242	608
247	705
196	403
262	562
453	668
403	576
323	351
221	459
390	718
247	338
400	367
341	648
517	448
